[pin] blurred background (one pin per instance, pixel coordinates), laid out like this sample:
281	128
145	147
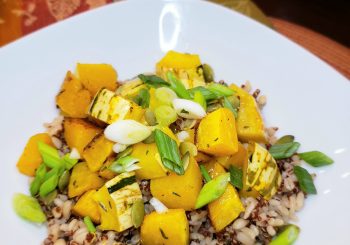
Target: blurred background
321	26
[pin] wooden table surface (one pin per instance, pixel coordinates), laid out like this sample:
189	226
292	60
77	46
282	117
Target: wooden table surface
21	17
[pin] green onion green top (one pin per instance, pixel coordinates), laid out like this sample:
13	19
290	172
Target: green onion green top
143	98
287	236
212	190
208	95
285	139
285	150
227	104
169	152
199	98
49	155
153	80
205	173
305	180
220	90
177	86
316	158
236	177
89	225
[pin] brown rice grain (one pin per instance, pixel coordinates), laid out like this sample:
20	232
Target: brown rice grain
276	222
300	200
249	232
270	230
60	242
262	100
57	212
244	238
80	235
252	202
66	209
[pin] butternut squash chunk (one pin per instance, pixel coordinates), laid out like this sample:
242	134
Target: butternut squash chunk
87	206
78	133
149	161
237	159
73	99
179	191
169	228
82	180
97	76
216	133
104	171
31	158
97	151
226	208
249	123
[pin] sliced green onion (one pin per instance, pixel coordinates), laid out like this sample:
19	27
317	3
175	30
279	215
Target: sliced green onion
124	164
64	180
236	177
28	208
205	173
169	152
39	177
153	80
285	139
177	86
126	152
49	155
285	150
212	190
165	115
287	236
208	73
165	95
220	90
143	98
137	213
316	158
50	197
305	180
69	162
52	172
188	147
89	225
199	98
227	104
234	100
208	95
48	186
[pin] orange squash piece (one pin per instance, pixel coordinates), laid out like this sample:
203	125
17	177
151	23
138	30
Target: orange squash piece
73	99
31	158
78	133
87	206
97	76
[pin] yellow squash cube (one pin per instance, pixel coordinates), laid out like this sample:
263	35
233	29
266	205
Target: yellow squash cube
87	206
226	208
237	159
104	172
97	76
82	180
250	125
149	161
78	133
216	133
179	191
97	151
169	228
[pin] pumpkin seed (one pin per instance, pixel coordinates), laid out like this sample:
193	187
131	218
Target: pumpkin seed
186	160
150	117
208	73
149	139
285	139
234	101
64	180
137	213
188	124
50	197
188	147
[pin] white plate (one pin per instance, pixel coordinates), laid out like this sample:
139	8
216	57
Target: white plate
306	97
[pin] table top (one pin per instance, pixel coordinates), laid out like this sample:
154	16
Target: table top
21	17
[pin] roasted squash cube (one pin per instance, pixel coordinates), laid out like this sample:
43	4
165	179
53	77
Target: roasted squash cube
216	133
73	99
237	159
249	123
97	151
169	228
82	180
87	206
226	208
149	161
179	191
97	76
106	173
31	158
